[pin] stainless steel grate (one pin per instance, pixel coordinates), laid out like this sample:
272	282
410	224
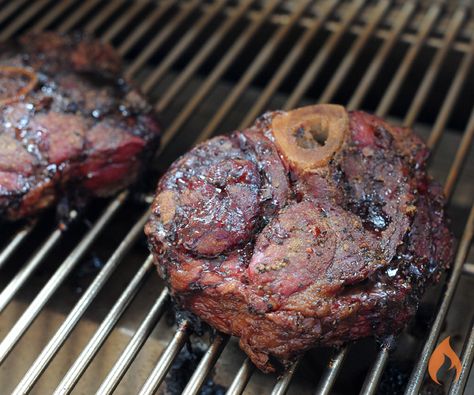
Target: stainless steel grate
221	63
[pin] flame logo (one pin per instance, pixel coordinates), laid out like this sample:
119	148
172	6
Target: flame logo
437	360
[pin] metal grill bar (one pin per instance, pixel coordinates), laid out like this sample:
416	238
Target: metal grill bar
242	378
103	14
286	66
120	23
381	33
143	28
135	344
56	279
396	83
318	62
423	90
206	364
373	378
181	46
22	19
379	59
29	268
166	360
70	21
458	386
451	97
418	373
80	308
52	14
351	56
459	158
216	74
99	337
199	59
160	38
282	384
330	375
13	244
11	8
252	71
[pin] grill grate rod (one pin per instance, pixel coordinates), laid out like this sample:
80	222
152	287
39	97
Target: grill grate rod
418	372
181	46
72	19
120	23
320	59
330	375
11	8
396	83
165	360
30	267
252	71
22	19
216	74
32	311
141	29
102	15
242	378
206	364
160	38
14	243
429	78
135	344
451	98
458	386
52	14
61	335
99	337
401	21
285	67
203	54
460	157
349	59
284	382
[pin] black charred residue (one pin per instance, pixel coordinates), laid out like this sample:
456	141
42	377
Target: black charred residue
182	370
372	214
85	273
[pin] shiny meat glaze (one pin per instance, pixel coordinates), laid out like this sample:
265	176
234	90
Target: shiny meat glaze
287	259
70	125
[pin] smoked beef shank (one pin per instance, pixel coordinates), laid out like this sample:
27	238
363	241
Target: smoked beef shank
70	124
312	227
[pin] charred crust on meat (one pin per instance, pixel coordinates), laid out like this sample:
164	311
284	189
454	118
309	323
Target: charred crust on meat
311	249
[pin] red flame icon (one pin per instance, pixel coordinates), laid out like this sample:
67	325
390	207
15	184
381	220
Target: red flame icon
437	360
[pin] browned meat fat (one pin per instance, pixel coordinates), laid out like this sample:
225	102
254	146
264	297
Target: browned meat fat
70	124
312	227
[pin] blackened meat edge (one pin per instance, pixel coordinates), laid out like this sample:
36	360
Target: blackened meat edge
70	124
312	227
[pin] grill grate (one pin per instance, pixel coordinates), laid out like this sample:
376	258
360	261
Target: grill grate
330	50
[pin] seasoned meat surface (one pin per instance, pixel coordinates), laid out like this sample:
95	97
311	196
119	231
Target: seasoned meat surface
312	227
70	124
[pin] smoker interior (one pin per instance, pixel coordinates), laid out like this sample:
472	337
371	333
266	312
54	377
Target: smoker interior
82	309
